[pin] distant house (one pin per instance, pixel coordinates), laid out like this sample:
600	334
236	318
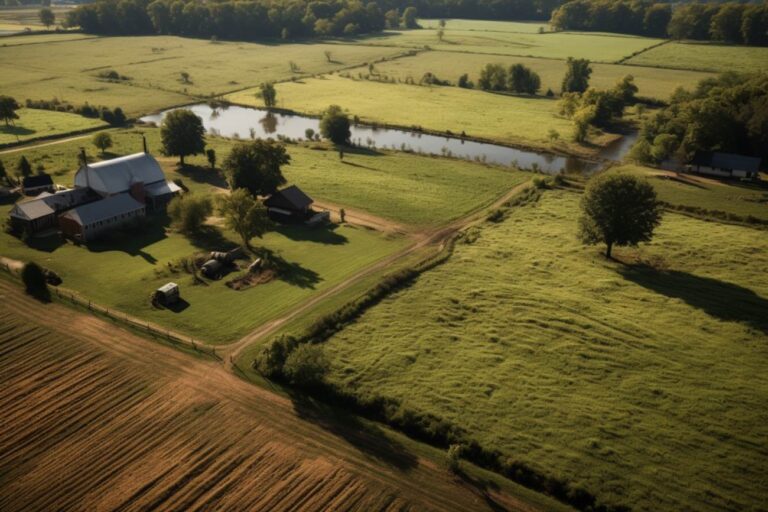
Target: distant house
726	165
289	204
88	221
33	185
40	213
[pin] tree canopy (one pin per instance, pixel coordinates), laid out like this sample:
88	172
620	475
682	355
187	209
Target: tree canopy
35	284
8	108
577	75
47	17
244	215
103	141
618	209
256	166
188	212
335	125
182	134
268	94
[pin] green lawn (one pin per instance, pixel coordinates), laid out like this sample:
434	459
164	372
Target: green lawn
35	124
653	82
598	47
524	27
513	120
69	69
741	199
705	57
644	385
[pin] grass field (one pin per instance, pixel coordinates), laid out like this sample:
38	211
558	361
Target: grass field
704	57
640	383
598	47
35	124
700	192
124	424
522	27
514	120
69	69
653	82
19	18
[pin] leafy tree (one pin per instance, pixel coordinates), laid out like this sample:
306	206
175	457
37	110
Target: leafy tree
464	82
102	141
625	90
309	133
392	18
210	154
182	134
185	77
410	18
189	212
335	125
577	75
618	209
8	108
523	79
582	118
454	458
306	365
33	277
553	135
656	20
244	215
47	17
23	168
268	94
754	25
256	166
726	24
493	77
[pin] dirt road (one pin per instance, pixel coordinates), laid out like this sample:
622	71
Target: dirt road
96	418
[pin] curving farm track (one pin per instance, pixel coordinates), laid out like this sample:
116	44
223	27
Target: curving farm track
95	418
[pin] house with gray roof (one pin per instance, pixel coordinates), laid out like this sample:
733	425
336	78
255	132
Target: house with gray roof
90	220
40	213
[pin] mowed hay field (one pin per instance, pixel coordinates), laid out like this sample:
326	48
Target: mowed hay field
704	57
43	67
478	37
35	124
96	418
653	82
513	120
642	382
19	18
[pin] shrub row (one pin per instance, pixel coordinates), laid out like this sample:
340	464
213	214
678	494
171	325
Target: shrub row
717	214
114	117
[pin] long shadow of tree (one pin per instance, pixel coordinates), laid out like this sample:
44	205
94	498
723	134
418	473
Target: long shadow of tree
318	234
290	272
205	175
132	239
726	301
366	437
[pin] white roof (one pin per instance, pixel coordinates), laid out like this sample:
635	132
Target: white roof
104	209
31	210
117	175
162	188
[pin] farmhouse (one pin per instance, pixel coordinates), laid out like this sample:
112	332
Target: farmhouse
33	185
41	212
291	203
726	165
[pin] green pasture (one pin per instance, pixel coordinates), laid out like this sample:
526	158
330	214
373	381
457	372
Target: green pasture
641	381
23	17
741	199
598	47
34	124
522	27
508	119
70	69
653	82
705	57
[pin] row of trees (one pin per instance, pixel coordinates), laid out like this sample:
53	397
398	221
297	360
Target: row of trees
479	9
729	22
518	78
240	20
728	113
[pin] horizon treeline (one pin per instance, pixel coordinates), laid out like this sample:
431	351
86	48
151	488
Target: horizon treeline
738	23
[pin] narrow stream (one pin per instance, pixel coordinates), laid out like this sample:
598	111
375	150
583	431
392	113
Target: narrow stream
247	122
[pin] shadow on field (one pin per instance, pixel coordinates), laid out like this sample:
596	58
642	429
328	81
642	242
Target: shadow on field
133	239
210	238
290	272
200	174
16	131
482	488
318	234
366	437
719	299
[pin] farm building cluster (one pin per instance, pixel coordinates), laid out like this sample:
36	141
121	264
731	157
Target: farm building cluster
106	195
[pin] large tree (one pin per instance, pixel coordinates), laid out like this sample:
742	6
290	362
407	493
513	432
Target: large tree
618	209
493	77
47	17
256	166
335	125
244	215
268	94
577	75
182	134
35	284
189	212
103	141
523	79
8	108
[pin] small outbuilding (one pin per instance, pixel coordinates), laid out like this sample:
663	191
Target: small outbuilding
726	165
291	203
33	185
168	293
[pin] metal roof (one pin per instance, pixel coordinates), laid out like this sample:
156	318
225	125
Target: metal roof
162	188
104	209
291	197
727	161
31	210
117	175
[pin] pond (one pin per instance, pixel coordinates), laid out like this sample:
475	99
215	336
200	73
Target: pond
247	122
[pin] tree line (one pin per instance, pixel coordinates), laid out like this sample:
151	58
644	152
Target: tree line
728	113
739	23
478	9
238	20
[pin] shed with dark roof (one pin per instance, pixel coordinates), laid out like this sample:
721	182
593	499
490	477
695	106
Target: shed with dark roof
33	185
291	202
727	165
